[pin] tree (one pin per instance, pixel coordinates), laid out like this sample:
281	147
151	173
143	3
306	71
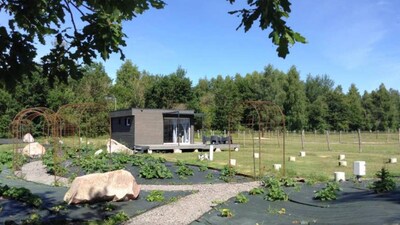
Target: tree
356	111
95	85
80	31
295	103
169	91
130	86
228	105
270	13
338	109
83	30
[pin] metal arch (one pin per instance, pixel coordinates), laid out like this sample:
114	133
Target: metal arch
266	111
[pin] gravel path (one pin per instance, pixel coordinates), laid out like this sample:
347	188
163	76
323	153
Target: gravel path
182	212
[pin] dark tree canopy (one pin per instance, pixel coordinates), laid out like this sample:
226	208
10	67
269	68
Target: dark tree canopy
82	30
79	30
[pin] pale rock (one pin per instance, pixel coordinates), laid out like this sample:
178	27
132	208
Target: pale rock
114	146
118	185
98	152
28	138
34	150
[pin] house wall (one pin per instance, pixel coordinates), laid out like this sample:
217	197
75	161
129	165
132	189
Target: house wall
147	126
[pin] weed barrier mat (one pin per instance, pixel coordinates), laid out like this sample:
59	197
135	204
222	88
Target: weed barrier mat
12	210
355	205
209	176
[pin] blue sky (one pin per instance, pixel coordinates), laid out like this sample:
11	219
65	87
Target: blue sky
350	41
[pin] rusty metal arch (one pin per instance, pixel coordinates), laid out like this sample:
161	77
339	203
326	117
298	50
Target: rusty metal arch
266	114
71	117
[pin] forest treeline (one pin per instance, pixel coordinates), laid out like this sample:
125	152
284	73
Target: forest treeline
313	104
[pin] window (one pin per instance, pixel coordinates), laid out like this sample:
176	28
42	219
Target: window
128	121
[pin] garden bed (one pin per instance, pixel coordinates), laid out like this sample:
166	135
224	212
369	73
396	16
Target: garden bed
54	210
355	204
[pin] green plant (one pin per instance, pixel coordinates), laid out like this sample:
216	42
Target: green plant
154	170
33	220
155	196
109	207
385	182
288	182
241	198
210	176
275	191
203	168
256	191
184	170
225	212
21	194
329	192
58	208
227	173
118	218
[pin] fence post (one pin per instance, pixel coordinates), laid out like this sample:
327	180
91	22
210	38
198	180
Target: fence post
327	140
359	141
340	137
302	140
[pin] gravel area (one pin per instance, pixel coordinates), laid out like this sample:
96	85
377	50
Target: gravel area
182	212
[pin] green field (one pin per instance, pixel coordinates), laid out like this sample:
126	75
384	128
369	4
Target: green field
319	163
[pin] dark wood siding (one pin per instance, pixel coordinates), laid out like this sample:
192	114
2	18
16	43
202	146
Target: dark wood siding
123	130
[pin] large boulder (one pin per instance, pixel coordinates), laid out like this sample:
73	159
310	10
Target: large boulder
114	146
28	138
118	185
34	150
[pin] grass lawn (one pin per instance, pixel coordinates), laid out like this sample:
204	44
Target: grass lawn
319	163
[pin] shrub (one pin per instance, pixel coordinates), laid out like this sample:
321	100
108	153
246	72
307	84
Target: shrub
118	218
329	192
385	182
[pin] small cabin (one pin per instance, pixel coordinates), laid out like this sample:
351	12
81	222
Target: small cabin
139	127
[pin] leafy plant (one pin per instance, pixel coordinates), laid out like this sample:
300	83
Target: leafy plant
203	168
154	170
256	191
227	173
288	182
184	170
118	218
21	194
210	176
109	207
241	198
58	208
225	212
155	196
385	182
33	219
275	191
329	192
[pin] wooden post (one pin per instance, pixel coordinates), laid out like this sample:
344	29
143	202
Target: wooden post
244	138
340	137
327	140
387	135
302	140
359	141
279	143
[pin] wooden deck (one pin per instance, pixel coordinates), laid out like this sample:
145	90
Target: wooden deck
184	147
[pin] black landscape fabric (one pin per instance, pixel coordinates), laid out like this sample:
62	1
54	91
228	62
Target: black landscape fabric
13	210
355	205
